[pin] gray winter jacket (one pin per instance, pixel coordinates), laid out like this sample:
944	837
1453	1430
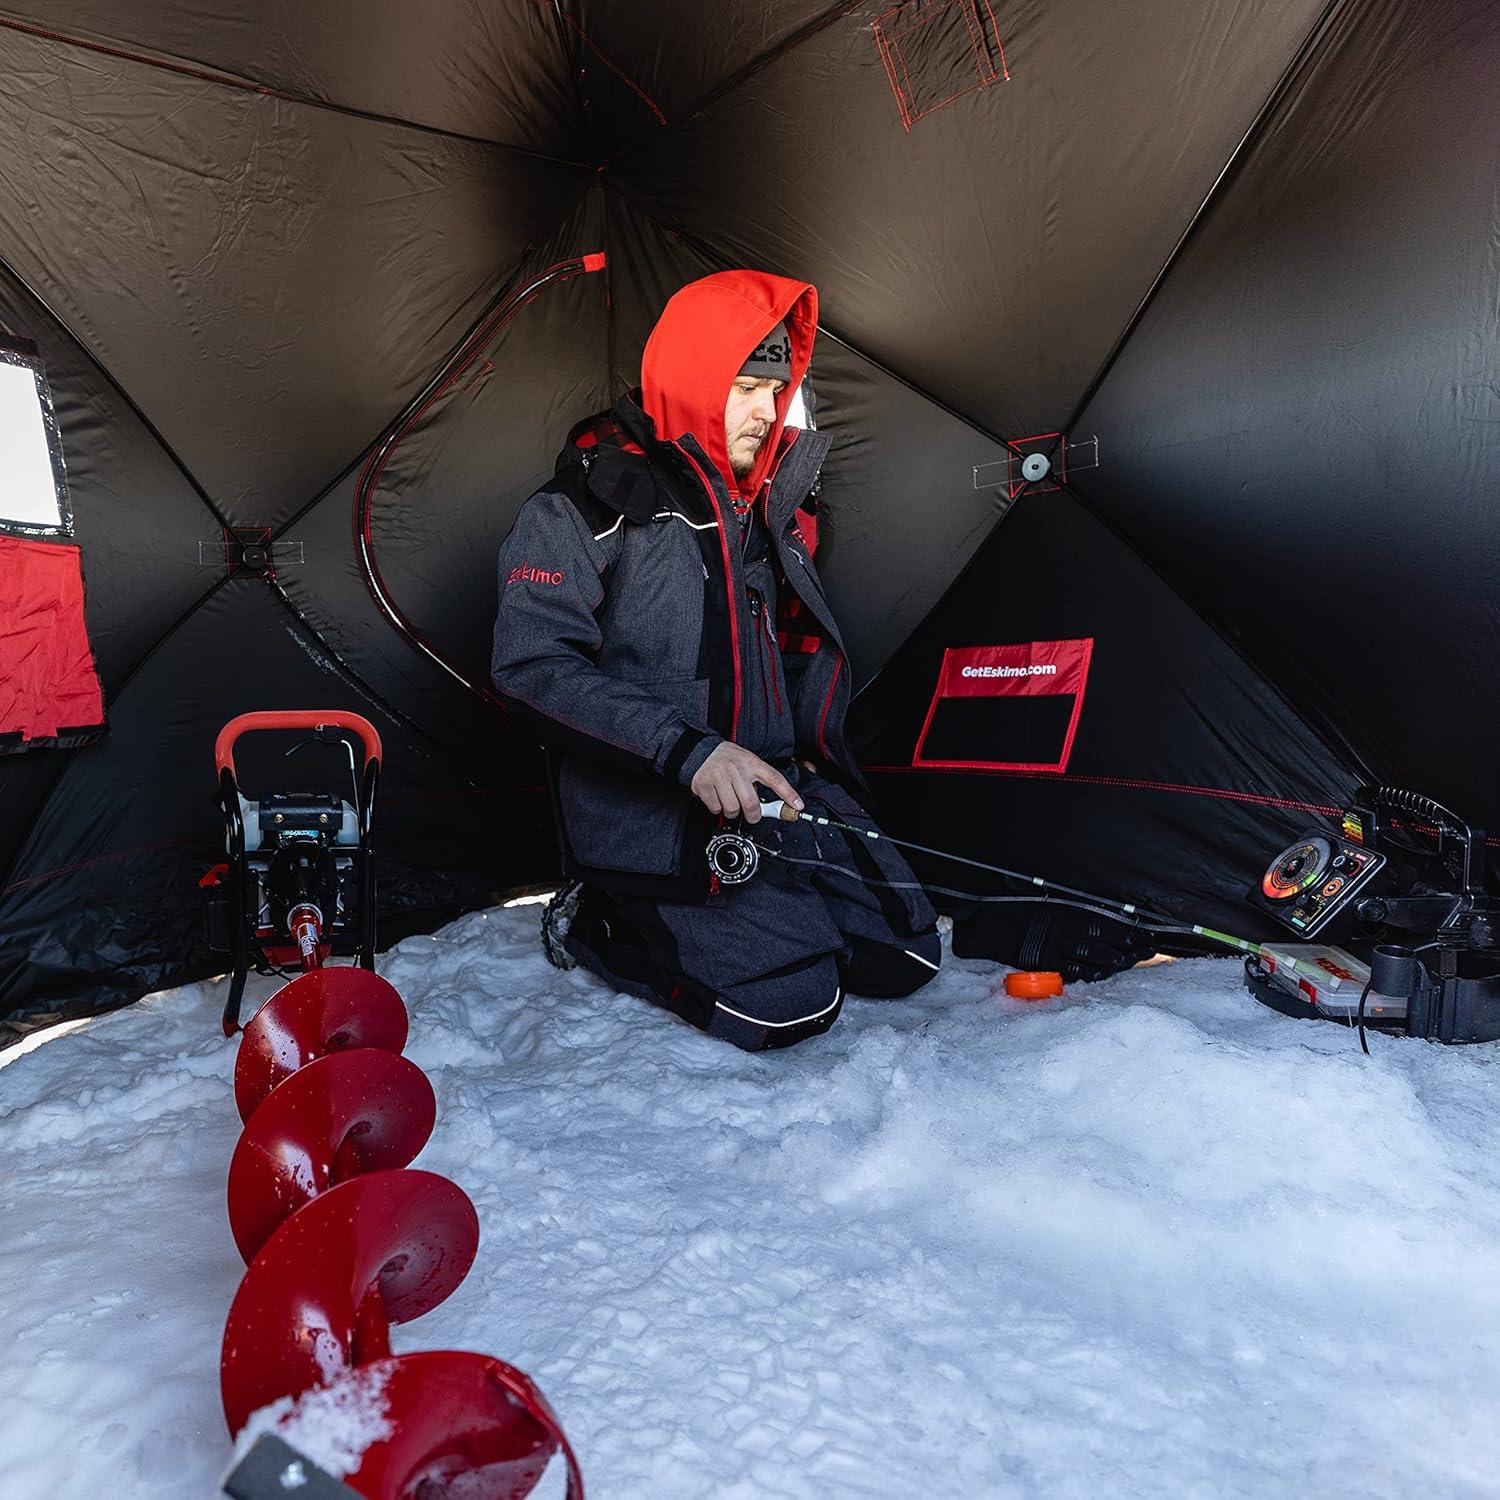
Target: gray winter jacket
637	629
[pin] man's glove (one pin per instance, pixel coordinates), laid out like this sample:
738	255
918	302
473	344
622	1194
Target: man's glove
1048	936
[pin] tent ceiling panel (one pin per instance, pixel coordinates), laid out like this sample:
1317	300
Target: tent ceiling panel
994	250
451	490
357	253
641	68
493	72
1297	434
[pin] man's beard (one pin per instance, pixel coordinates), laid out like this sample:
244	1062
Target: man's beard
741	467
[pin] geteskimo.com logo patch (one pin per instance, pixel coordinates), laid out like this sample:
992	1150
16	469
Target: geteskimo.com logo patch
1037	669
525	573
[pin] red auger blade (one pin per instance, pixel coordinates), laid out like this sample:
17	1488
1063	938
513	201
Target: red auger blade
452	1424
325	1010
320	1295
340	1116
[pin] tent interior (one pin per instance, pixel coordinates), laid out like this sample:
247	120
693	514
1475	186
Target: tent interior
309	291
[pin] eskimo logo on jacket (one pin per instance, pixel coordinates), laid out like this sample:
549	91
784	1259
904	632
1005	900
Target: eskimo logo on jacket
525	573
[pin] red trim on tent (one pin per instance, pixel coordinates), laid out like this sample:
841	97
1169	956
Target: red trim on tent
1131	783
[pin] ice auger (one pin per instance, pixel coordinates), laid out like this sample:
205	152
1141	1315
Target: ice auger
341	1237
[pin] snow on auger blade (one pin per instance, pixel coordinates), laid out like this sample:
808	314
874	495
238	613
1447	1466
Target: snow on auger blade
341	1237
486	1430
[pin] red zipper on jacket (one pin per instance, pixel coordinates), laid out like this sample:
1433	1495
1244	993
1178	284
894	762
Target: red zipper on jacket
734	618
789	436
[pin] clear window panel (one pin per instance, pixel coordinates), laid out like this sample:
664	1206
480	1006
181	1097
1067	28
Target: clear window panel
32	493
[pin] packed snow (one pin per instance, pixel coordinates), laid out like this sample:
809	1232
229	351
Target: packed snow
1147	1239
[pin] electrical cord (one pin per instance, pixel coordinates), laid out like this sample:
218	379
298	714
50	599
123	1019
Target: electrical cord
1364	995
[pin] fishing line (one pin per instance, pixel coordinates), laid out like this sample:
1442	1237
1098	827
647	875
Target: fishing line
1057	894
1096	906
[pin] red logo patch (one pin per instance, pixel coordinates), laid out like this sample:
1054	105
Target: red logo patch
1337	970
525	573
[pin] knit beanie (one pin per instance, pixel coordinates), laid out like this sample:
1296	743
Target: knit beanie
772	359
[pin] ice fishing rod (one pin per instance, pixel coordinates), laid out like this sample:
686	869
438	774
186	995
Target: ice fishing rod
734	858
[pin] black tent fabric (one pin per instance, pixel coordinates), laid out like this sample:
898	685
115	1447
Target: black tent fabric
1231	262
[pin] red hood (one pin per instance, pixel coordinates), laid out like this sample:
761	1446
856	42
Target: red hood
700	343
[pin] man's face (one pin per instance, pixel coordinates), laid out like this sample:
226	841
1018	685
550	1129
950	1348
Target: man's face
748	418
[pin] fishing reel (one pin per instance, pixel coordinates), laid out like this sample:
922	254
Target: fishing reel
732	858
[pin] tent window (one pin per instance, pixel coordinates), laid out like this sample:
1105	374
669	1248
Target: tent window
33	485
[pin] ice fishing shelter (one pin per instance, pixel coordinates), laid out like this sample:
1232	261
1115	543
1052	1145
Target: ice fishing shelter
1228	266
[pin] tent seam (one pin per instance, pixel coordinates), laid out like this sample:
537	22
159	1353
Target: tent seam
1305	60
728	85
698	245
270	91
7	269
357	679
503	289
1302	61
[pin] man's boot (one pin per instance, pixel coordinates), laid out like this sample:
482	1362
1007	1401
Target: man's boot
557	919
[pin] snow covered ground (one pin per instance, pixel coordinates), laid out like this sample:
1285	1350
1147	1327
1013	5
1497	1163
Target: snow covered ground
1148	1240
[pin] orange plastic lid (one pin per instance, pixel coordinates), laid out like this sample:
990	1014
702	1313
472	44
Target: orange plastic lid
1033	985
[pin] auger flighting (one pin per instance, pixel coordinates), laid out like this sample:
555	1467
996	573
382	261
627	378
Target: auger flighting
341	1237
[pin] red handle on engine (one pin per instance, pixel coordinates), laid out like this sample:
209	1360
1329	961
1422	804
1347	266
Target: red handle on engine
300	718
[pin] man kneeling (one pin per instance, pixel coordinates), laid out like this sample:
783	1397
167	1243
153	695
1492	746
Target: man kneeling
662	629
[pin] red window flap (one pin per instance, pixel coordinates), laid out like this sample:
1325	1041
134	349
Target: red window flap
49	689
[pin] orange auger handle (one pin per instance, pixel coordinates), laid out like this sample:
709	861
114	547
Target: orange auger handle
294	718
